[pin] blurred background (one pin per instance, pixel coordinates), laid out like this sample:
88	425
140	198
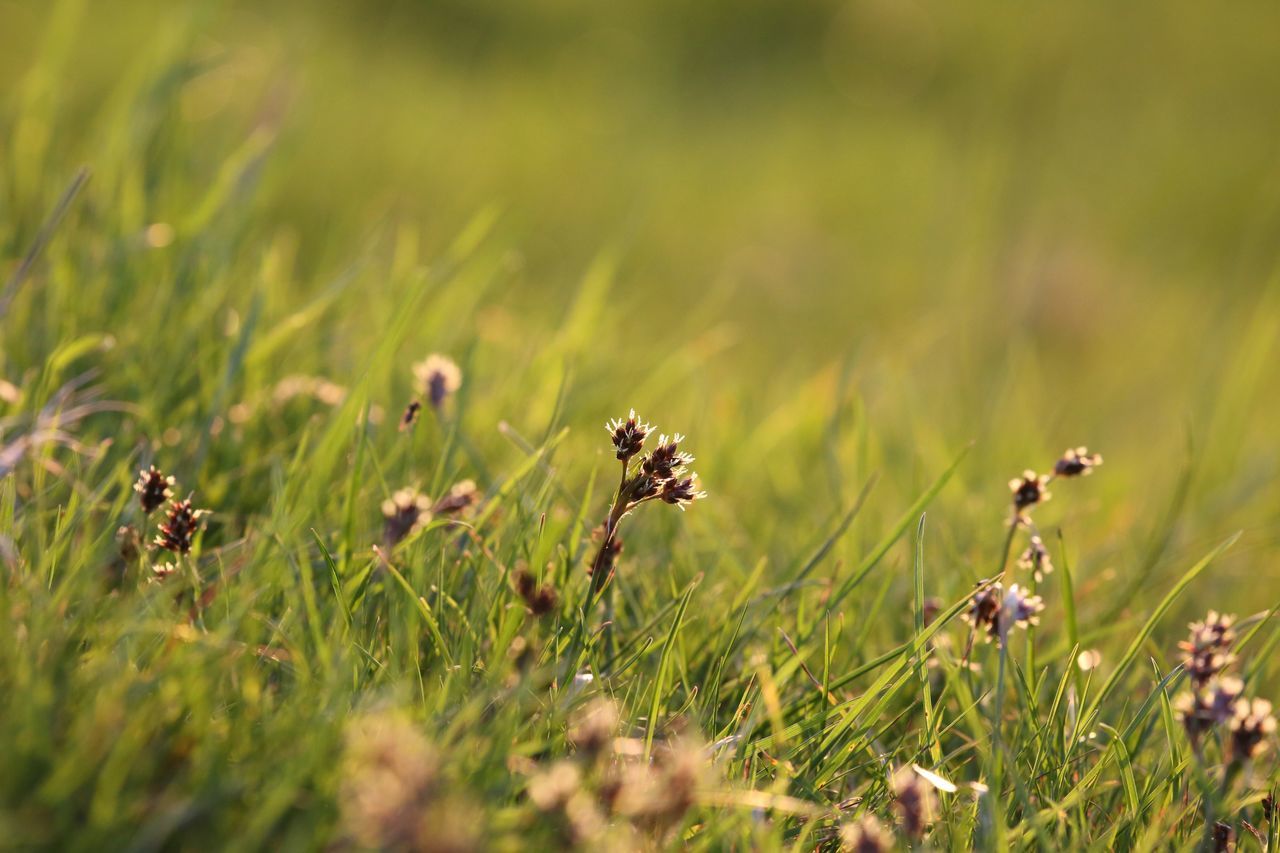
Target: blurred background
1027	228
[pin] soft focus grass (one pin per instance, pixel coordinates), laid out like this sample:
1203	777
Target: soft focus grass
835	244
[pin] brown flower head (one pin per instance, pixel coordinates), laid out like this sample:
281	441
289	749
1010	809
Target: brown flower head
667	461
180	527
540	600
438	378
1077	462
867	835
1202	709
682	492
410	416
162	571
914	801
129	541
153	489
1029	490
461	496
1251	723
1036	559
995	612
405	512
593	727
1207	651
627	436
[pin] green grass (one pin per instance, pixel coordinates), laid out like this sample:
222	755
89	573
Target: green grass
874	261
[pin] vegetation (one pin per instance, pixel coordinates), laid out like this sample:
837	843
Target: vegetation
310	318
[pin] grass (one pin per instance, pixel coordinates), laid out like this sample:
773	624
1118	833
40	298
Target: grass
870	288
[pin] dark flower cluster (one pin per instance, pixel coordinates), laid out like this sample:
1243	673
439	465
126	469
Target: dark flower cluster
175	533
182	522
541	599
408	510
153	489
995	613
661	475
1217	701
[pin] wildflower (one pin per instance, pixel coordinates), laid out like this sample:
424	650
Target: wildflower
410	416
868	835
1077	462
984	610
153	489
914	801
539	599
182	522
1201	709
1251	722
438	378
658	797
682	492
1029	490
129	542
666	462
405	512
997	613
1036	559
627	436
551	789
1224	837
162	571
462	495
1208	650
594	726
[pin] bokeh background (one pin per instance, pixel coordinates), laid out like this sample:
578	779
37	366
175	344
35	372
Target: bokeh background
825	238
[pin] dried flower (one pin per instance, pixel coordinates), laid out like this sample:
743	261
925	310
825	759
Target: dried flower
914	801
1077	462
1029	490
627	436
405	512
867	835
438	378
410	416
461	496
1251	722
153	489
1036	559
182	522
1207	652
540	600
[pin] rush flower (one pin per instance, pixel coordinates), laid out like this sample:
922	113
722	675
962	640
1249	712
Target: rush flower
462	496
410	416
867	835
915	802
628	435
540	599
1036	559
1077	462
1215	705
682	492
1251	722
995	612
180	527
438	378
153	489
162	571
405	512
1029	490
1207	651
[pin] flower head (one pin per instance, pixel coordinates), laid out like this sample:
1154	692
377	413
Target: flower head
593	727
666	461
867	835
682	492
540	599
1029	490
153	489
410	416
1251	722
1077	462
996	612
1207	651
627	435
438	377
181	524
405	512
1202	709
461	496
1036	559
914	801
162	571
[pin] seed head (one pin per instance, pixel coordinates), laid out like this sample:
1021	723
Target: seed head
1207	651
405	512
682	492
666	462
995	612
867	835
1077	462
438	378
181	524
153	489
1029	490
1036	559
1251	722
627	436
914	801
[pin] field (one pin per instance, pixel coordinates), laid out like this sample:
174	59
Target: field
368	279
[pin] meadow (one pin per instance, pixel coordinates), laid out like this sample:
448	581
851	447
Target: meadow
379	286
